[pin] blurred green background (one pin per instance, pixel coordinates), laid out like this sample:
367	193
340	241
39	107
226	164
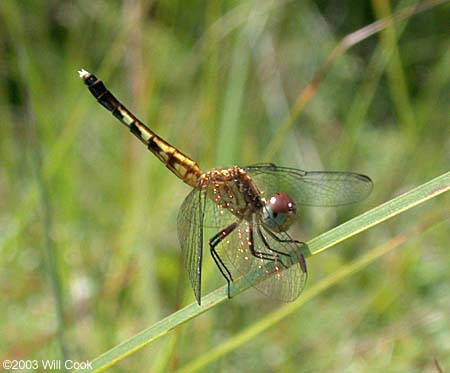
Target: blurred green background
89	254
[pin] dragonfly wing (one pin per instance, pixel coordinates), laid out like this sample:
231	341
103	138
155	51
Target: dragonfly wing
315	188
190	235
277	261
216	215
197	213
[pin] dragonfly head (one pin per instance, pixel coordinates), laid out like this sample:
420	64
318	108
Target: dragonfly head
279	212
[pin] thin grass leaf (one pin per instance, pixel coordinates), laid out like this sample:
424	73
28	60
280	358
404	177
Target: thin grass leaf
307	93
344	231
272	318
395	72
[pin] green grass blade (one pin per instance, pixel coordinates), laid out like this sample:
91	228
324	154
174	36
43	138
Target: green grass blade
395	72
271	319
386	211
381	213
306	94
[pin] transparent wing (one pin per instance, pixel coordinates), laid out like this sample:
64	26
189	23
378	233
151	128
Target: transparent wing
276	259
197	212
315	188
190	235
216	215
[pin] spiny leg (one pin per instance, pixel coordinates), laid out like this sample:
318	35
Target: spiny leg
302	260
267	246
213	242
260	254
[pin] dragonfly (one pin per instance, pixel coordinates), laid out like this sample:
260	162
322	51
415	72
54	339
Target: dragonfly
251	209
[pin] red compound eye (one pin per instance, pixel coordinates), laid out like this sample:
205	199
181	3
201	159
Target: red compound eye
281	203
279	212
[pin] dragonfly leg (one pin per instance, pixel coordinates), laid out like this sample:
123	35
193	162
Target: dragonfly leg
302	260
213	242
275	237
266	244
278	254
259	253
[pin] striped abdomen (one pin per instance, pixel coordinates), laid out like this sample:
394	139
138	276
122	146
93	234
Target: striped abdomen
181	165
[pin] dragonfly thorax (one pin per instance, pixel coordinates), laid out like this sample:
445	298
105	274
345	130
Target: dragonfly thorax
279	212
232	189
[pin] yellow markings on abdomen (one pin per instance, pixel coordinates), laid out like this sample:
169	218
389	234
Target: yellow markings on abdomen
181	165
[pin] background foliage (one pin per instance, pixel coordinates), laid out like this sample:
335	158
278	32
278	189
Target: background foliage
88	244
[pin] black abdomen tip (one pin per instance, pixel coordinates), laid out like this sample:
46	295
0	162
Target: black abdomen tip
87	77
